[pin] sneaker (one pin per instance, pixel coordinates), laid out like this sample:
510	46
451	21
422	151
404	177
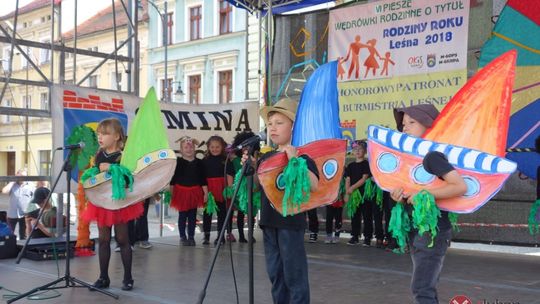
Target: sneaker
353	241
379	244
329	239
242	239
184	242
313	237
216	241
191	242
145	245
206	241
366	243
117	248
231	238
335	239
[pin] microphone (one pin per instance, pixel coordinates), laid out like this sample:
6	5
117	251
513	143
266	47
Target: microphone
255	139
72	147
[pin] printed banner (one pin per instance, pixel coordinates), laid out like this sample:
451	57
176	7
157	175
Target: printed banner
73	106
397	38
394	54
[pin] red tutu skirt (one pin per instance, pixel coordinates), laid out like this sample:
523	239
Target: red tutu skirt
216	186
337	204
187	198
108	218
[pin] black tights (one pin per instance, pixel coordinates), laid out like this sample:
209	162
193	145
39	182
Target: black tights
122	238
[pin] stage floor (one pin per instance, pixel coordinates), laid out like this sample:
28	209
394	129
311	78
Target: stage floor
168	273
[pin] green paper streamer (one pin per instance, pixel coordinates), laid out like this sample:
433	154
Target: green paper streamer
453	217
211	206
88	173
167	197
425	214
242	195
297	185
228	192
86	135
400	226
355	200
534	226
379	197
120	175
369	189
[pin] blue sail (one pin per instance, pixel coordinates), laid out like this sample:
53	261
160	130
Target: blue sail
317	116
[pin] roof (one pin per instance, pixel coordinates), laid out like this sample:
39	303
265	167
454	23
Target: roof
278	6
32	6
103	20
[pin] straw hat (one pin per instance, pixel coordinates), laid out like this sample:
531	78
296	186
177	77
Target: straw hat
285	106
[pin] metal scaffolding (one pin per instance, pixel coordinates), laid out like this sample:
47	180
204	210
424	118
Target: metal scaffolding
9	35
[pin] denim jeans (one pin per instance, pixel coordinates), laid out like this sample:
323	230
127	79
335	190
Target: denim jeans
286	264
427	265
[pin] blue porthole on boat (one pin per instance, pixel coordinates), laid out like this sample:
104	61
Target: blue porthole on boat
147	159
108	175
330	168
280	182
163	154
93	181
473	186
387	162
421	176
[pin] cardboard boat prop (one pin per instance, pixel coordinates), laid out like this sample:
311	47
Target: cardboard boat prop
316	132
471	131
147	155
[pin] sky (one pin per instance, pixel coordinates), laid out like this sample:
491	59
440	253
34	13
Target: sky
85	9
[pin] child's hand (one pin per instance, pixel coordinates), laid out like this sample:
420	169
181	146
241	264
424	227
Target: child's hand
290	151
104	167
245	158
398	195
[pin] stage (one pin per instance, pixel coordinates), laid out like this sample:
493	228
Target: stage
168	273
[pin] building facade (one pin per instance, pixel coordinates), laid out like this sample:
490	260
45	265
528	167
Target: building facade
207	51
95	34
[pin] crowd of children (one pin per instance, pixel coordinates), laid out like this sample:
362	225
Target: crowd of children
202	183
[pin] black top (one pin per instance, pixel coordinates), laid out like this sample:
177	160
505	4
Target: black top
104	157
270	217
214	166
437	164
356	170
189	173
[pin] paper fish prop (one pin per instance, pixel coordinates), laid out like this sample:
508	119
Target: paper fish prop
315	131
471	131
147	155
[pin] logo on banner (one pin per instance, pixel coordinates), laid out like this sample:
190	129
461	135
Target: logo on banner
416	62
431	60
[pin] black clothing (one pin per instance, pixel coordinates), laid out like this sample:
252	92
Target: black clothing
270	217
355	171
189	173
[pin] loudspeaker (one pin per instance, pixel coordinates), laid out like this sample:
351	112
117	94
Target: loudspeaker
8	247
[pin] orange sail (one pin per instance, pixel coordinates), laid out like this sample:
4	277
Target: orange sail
477	116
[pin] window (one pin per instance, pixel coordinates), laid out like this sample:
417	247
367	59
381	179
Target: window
225	17
45	162
169	89
116	81
170	27
44	101
7	118
24	62
92	81
45	54
5	58
195	18
225	86
195	89
27	102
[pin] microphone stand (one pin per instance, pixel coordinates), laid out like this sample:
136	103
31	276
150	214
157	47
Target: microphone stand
70	281
247	171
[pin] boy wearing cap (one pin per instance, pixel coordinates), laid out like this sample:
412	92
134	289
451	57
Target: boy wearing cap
43	227
286	261
428	261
